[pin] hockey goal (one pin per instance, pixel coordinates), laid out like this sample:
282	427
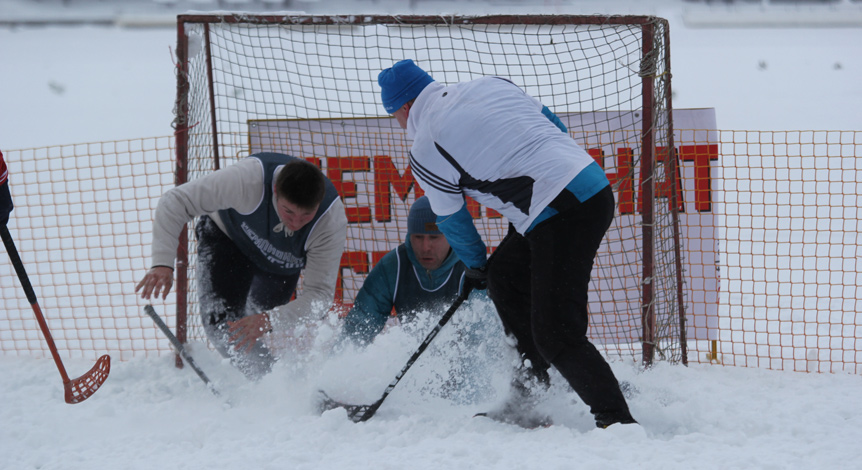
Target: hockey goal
306	86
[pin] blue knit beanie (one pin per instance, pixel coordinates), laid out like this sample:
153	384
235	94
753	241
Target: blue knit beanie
422	219
401	83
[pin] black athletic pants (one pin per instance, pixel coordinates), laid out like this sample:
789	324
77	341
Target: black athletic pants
539	285
231	287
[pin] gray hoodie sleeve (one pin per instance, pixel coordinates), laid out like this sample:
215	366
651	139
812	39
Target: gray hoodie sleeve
238	186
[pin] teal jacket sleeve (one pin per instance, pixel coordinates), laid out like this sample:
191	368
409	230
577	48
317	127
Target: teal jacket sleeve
373	304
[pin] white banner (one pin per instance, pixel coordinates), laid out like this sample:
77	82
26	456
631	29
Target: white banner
367	161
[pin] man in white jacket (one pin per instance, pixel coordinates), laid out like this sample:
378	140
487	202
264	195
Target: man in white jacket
489	140
263	221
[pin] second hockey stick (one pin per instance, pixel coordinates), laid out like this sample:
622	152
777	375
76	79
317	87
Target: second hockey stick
359	413
180	348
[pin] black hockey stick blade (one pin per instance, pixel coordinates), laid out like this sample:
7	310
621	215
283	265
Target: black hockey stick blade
151	312
359	413
356	413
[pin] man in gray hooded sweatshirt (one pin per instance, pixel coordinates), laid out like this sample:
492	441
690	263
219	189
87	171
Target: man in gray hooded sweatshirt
263	221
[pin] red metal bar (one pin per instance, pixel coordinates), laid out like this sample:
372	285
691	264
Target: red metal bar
648	191
181	133
417	19
211	86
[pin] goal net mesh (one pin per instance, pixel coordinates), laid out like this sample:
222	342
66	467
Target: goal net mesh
307	86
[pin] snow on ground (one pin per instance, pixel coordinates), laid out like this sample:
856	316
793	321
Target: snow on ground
152	415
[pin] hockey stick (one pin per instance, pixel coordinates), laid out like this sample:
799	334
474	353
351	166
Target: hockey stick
180	348
360	413
83	387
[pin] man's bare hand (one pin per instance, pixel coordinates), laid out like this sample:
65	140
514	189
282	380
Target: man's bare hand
245	331
158	280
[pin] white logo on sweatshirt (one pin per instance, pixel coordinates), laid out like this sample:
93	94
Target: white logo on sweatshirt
274	255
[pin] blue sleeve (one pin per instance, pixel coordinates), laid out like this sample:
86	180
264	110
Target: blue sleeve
373	304
463	237
553	118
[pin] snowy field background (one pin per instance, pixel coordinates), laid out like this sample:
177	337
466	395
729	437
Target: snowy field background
62	85
89	84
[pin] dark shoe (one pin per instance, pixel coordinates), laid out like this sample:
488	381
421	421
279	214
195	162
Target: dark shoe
603	420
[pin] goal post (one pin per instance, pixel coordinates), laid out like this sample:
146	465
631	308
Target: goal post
307	86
